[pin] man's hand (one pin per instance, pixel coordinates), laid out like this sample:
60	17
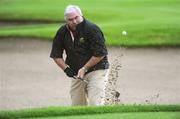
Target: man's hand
81	72
69	72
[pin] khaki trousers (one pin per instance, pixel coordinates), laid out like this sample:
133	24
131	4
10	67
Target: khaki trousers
91	92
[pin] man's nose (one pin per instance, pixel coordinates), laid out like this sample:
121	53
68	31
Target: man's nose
74	21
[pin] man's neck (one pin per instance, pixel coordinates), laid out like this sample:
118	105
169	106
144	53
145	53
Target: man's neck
70	29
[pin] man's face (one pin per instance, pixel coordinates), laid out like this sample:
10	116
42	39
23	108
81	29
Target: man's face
73	19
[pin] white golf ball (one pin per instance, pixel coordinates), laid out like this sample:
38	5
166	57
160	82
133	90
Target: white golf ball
124	33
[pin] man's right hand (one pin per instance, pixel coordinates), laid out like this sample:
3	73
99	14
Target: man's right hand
69	72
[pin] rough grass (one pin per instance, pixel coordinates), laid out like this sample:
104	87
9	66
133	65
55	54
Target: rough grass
71	111
148	22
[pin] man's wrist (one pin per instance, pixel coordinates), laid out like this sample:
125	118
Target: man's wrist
85	69
65	67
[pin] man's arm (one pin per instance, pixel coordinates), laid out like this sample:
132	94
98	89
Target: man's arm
60	62
93	61
97	46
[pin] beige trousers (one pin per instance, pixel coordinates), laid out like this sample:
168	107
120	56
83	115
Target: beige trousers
91	92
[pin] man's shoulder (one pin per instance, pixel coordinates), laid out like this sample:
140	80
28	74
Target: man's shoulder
91	26
62	29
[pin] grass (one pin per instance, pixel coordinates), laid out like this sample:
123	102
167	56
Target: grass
72	111
148	23
135	115
43	31
110	10
134	38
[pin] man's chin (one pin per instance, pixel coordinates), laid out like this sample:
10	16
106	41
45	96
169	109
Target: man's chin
74	27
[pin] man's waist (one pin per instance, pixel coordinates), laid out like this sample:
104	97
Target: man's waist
102	65
80	62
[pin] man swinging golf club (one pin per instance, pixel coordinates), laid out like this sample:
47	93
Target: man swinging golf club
86	57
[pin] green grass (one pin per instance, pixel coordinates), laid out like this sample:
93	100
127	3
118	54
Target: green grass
44	31
135	115
140	37
148	22
110	10
72	111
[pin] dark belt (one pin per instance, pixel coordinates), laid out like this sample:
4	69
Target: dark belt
104	65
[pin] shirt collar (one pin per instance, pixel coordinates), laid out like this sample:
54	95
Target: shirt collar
79	26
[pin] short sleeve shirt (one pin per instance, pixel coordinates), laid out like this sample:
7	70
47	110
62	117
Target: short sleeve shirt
88	41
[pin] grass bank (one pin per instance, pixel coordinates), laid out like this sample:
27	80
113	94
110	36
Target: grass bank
130	115
72	111
141	37
148	23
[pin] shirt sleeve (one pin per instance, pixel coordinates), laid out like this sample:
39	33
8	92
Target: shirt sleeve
97	44
57	46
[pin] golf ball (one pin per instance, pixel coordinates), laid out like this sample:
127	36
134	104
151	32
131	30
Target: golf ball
124	33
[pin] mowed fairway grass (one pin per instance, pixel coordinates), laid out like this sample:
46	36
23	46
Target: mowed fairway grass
97	112
147	22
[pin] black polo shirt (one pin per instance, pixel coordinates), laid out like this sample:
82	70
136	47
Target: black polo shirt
88	41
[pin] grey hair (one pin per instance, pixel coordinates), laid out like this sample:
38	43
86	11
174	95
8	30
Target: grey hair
72	8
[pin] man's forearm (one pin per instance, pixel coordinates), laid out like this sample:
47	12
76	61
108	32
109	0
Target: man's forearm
61	63
93	61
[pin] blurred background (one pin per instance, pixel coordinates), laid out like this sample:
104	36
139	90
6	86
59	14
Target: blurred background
145	33
147	22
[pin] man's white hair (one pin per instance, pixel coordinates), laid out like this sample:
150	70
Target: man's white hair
72	8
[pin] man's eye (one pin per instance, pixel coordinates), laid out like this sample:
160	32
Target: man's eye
70	19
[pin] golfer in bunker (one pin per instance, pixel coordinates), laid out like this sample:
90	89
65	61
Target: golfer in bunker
86	61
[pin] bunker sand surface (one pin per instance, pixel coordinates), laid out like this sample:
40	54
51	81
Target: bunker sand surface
29	77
